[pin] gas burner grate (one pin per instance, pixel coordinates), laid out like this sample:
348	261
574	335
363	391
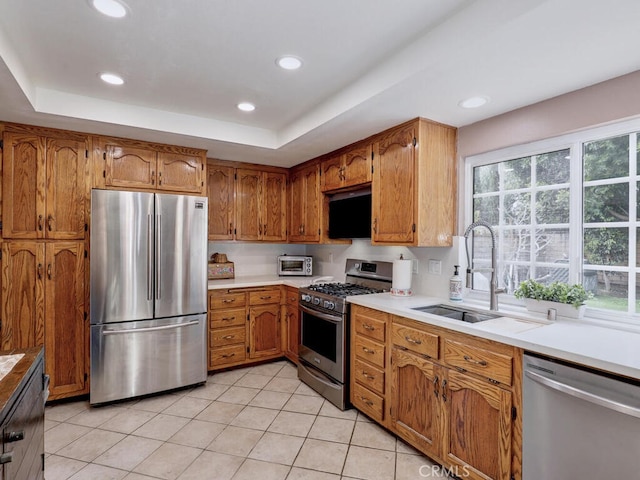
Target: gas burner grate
342	290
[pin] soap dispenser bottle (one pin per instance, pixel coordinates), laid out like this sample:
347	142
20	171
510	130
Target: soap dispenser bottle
455	286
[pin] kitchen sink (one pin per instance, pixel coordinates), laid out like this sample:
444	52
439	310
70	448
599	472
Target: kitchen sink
463	315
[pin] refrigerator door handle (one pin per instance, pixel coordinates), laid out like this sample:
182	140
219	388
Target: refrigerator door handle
150	329
158	254
149	257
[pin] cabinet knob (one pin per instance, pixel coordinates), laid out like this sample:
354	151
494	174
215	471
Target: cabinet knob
14	436
50	222
40	222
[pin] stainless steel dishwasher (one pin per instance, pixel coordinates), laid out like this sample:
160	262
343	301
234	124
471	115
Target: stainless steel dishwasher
578	423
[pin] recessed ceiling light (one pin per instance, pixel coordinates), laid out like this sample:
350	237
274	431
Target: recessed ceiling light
111	78
289	62
111	8
474	102
246	106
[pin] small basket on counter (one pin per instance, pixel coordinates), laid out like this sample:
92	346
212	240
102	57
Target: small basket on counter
220	267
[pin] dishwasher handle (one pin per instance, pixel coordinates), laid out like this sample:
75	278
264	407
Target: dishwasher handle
584	395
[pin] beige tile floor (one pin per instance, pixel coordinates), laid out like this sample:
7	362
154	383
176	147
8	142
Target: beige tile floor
255	423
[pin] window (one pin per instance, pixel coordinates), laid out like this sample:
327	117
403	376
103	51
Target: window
564	209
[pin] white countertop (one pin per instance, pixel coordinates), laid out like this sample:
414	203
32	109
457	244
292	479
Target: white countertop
609	349
264	280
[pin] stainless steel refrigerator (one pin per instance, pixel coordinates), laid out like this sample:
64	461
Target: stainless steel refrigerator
148	293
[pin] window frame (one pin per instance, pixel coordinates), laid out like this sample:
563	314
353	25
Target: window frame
574	142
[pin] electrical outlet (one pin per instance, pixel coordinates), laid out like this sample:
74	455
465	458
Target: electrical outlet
414	266
435	267
331	257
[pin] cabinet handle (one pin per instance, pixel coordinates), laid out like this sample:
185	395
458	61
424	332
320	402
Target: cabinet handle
49	271
260	229
300	229
50	222
366	326
230	228
367	401
375	225
39	271
413	340
228	337
14	436
436	387
228	355
265	297
153	177
6	458
444	390
229	300
367	376
159	178
264	229
40	222
228	319
469	359
368	350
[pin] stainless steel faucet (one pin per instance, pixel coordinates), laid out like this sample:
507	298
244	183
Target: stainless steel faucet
493	287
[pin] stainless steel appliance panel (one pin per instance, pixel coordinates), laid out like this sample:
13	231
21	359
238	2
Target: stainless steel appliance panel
578	423
323	342
138	358
122	255
181	255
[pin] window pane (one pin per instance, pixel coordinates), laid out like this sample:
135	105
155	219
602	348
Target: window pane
612	291
517	173
552	246
516	244
548	275
510	276
606	246
606	203
517	209
486	208
607	158
552	206
486	178
553	168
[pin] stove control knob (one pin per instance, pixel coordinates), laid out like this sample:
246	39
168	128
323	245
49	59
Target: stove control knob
305	297
329	305
316	301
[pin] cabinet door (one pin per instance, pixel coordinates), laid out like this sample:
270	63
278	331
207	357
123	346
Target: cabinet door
415	400
178	172
311	212
23	180
393	188
264	331
66	188
65	326
332	173
220	191
22	295
477	435
292	331
296	206
248	191
357	166
274	207
130	167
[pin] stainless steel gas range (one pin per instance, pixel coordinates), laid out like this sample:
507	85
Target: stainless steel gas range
324	326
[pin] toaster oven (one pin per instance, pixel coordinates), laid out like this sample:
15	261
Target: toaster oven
295	265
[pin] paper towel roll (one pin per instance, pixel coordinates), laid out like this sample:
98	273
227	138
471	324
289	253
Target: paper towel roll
401	280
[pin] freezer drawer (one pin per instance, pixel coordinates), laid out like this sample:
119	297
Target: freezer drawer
130	359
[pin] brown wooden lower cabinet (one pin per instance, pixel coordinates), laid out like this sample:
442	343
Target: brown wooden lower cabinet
291	327
459	409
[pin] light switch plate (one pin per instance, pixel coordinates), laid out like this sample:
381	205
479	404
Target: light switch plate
414	266
435	267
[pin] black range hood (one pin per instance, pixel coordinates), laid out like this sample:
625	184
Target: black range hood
350	214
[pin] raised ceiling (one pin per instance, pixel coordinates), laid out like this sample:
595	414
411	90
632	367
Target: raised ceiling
367	65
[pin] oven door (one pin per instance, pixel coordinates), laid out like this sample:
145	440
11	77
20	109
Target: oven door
323	342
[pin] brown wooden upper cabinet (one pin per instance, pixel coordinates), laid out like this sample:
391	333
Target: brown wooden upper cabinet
261	208
414	185
131	164
304	203
347	169
221	194
45	181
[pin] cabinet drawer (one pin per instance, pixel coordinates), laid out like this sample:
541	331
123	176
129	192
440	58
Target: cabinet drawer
492	365
264	297
226	300
224	355
221	337
369	350
415	340
367	401
371	327
227	318
370	376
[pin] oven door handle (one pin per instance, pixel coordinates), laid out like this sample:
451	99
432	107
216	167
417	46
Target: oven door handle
323	316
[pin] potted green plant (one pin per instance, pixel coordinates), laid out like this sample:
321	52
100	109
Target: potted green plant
567	300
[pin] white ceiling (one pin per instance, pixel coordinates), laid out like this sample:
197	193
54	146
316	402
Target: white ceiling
368	65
